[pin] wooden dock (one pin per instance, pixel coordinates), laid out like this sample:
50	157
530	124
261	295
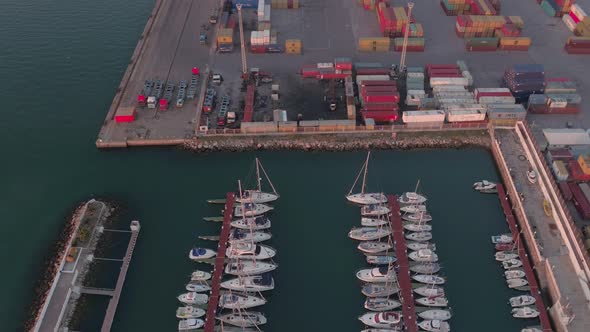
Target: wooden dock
526	264
116	294
219	264
404	281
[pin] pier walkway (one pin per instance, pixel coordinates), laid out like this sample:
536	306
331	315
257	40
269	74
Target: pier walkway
405	283
219	263
526	264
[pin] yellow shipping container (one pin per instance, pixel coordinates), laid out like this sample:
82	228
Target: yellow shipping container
225	36
293	43
295	4
373	42
515	41
517	21
584	161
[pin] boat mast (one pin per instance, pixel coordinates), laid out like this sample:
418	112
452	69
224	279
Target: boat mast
258	175
265	175
417	184
365	174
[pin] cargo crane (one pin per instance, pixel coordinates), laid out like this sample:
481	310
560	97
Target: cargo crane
402	62
242	44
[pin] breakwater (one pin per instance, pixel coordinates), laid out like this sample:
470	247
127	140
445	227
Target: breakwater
342	142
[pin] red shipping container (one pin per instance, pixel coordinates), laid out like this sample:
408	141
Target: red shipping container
410	48
573	50
442	66
439	74
381	97
510	30
374	107
576	172
378	83
558	79
331	76
379	89
492	94
231	23
381	116
565	190
580	201
514	47
574	18
444	72
310	71
128	117
257	49
343	65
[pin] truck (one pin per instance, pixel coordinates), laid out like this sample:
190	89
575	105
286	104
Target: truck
213	16
181	94
165	101
217	79
203	36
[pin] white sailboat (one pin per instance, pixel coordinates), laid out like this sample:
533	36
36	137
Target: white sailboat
243	250
198	254
193	298
419	236
257	195
381	319
381	274
368	233
511	264
199	275
189	312
363	197
485	187
515	283
514	274
412	227
381	259
259	283
373	222
419	216
429	279
240	235
251	209
435	314
379	290
243	319
532	329
417	208
435	325
411	198
430	291
249	267
521	301
433	301
197	287
372	247
374	210
425	268
255	224
525	312
502	256
190	324
381	304
502	238
240	301
420	245
423	255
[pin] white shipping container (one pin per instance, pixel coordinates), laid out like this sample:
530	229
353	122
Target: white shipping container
558	103
450	101
497	100
453	94
508	107
560	171
491	90
465	116
279	115
423	116
360	78
415	75
325	65
440	88
448	81
260	10
579	12
417	92
267	13
465	107
569	22
468	77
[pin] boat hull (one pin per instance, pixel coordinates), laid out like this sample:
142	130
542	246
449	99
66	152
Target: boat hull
425	268
381	260
379	290
429	291
381	304
373	222
368	233
257	197
372	276
435	314
429	279
247	284
381	320
419	236
432	302
371	247
198	254
189	312
249	268
367	198
246	319
434	325
239	301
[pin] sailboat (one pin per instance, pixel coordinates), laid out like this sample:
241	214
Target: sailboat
423	255
249	250
249	267
377	274
373	222
411	198
251	209
363	197
417	227
381	304
199	275
420	245
434	325
243	319
438	301
430	279
418	216
259	283
419	236
379	290
189	312
257	195
372	247
374	210
240	235
521	301
191	324
425	268
193	298
256	224
198	287
430	291
381	260
368	233
385	319
240	301
417	208
438	314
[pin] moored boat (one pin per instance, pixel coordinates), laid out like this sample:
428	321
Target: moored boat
245	250
505	246
241	235
425	268
255	224
525	312
249	267
257	195
502	256
417	227
411	198
435	314
423	255
429	291
439	301
380	274
502	238
413	208
243	319
517	282
514	274
363	197
485	187
522	300
419	236
251	209
374	210
189	312
420	245
434	325
511	264
200	276
379	290
190	324
381	304
373	222
381	319
259	283
368	233
198	254
240	301
198	287
373	247
417	217
532	329
429	279
193	298
381	260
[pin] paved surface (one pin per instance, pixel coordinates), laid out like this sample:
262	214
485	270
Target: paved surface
548	238
329	29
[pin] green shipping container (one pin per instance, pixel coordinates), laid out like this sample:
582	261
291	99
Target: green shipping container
547	8
415	69
414	41
486	41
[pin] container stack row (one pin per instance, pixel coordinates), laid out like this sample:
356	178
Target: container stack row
394	21
556	8
379	97
490	33
525	80
578	22
473	7
560	97
339	69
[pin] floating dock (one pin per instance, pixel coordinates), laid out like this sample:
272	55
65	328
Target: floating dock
526	264
405	283
219	264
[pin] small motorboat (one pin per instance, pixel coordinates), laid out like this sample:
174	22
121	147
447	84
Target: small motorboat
425	268
502	256
251	209
379	290
419	236
413	208
193	298
373	222
373	247
368	233
502	238
380	274
381	260
430	291
381	319
531	175
522	301
435	314
189	312
260	283
433	301
417	217
255	224
256	196
429	279
547	208
381	304
517	282
374	210
247	250
197	254
200	276
511	264
240	301
411	198
249	267
485	187
514	274
417	227
190	324
525	312
420	245
198	287
532	329
505	246
434	325
241	235
367	198
423	255
243	319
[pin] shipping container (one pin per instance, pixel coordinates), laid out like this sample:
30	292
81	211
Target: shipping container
576	172
380	116
287	126
361	78
580	201
565	190
381	97
434	116
370	107
337	125
465	116
125	114
516	113
448	81
559	170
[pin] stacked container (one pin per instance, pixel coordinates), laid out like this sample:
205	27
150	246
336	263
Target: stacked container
525	80
350	102
284	4
263	16
560	97
415	44
580	201
473	7
249	103
225	38
415	87
424	118
379	98
293	46
379	44
556	8
392	19
473	26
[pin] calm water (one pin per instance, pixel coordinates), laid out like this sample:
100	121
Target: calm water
60	64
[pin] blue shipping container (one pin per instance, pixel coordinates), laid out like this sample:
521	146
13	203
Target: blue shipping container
249	4
528	68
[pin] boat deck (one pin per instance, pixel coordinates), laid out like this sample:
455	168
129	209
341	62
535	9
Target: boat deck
405	283
526	264
219	264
